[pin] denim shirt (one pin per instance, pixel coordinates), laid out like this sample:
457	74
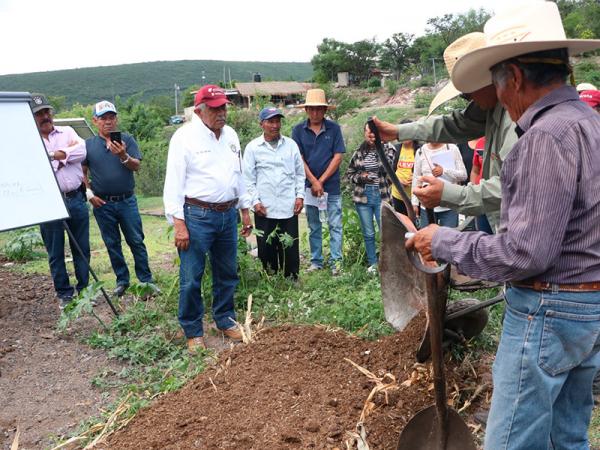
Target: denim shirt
274	176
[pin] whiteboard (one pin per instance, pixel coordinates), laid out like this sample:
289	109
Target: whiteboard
29	192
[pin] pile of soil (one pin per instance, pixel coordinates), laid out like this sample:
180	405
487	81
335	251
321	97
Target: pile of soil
45	377
294	388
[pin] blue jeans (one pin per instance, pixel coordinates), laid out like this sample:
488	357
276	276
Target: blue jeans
315	236
53	235
214	233
445	218
124	215
543	372
366	211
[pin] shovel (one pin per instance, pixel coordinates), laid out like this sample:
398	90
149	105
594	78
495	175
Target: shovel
437	427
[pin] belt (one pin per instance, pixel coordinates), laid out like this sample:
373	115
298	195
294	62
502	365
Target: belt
114	198
547	286
219	207
74	192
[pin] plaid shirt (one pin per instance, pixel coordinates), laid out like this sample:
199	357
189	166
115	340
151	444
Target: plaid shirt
357	167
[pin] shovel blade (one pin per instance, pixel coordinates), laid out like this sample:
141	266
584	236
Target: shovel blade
402	285
424	432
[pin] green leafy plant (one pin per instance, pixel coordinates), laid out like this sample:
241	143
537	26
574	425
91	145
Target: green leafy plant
391	87
22	246
80	305
422	100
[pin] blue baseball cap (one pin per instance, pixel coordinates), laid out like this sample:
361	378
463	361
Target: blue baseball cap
269	112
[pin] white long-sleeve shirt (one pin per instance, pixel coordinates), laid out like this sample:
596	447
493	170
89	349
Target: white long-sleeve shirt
274	176
203	167
452	175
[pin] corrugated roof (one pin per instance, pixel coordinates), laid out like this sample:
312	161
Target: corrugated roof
281	88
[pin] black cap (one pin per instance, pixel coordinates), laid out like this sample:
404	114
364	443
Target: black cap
39	102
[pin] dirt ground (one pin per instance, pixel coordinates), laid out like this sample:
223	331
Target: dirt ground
295	388
45	376
292	388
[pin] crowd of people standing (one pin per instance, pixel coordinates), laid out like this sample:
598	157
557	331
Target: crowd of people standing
534	183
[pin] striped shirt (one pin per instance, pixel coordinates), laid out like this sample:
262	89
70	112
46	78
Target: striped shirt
550	216
357	166
371	166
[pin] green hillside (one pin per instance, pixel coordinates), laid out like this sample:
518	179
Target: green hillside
87	85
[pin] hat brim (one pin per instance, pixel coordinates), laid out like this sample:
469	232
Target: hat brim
472	71
216	103
273	115
304	105
100	114
40	107
446	94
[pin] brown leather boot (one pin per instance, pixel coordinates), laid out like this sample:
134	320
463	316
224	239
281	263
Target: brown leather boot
195	345
233	333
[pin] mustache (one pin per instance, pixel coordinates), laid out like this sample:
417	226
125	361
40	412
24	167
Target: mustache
45	121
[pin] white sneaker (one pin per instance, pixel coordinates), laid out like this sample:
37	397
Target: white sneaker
313	267
372	269
335	271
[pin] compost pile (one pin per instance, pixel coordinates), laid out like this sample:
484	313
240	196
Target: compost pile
295	387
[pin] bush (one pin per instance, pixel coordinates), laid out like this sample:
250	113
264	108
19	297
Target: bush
150	179
344	101
22	246
422	100
587	71
392	87
374	83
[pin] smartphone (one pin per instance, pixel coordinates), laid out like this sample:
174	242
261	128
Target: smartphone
115	136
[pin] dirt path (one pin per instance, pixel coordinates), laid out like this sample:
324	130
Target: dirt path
45	377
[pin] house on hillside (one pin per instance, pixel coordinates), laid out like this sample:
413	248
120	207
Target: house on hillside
280	92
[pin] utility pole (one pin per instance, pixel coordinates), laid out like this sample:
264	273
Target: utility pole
176	100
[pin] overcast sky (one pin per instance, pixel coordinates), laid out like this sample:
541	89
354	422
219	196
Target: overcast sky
41	35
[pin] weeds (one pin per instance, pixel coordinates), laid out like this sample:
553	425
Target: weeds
22	245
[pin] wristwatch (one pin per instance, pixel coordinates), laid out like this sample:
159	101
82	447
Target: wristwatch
126	160
51	156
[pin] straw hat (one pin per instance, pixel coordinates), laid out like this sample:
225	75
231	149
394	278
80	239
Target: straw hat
526	28
585	87
316	97
453	52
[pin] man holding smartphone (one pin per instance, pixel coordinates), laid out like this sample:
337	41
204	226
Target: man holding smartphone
112	157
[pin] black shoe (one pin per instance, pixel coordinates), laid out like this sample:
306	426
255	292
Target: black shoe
120	290
64	301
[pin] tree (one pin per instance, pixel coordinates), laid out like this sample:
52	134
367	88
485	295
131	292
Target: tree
450	27
187	98
395	52
332	57
335	56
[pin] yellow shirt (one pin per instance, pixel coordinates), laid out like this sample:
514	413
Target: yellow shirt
404	170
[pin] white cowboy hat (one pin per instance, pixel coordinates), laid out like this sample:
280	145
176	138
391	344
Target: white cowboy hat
453	52
315	97
585	87
527	28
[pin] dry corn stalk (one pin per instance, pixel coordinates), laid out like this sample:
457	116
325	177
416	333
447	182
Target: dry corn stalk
419	372
15	442
478	391
121	409
380	386
359	438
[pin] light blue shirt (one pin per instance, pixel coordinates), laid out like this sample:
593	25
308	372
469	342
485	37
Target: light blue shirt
274	176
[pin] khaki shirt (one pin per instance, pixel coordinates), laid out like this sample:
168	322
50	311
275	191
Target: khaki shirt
460	126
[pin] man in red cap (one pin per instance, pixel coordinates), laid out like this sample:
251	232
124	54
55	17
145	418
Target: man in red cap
203	189
592	98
